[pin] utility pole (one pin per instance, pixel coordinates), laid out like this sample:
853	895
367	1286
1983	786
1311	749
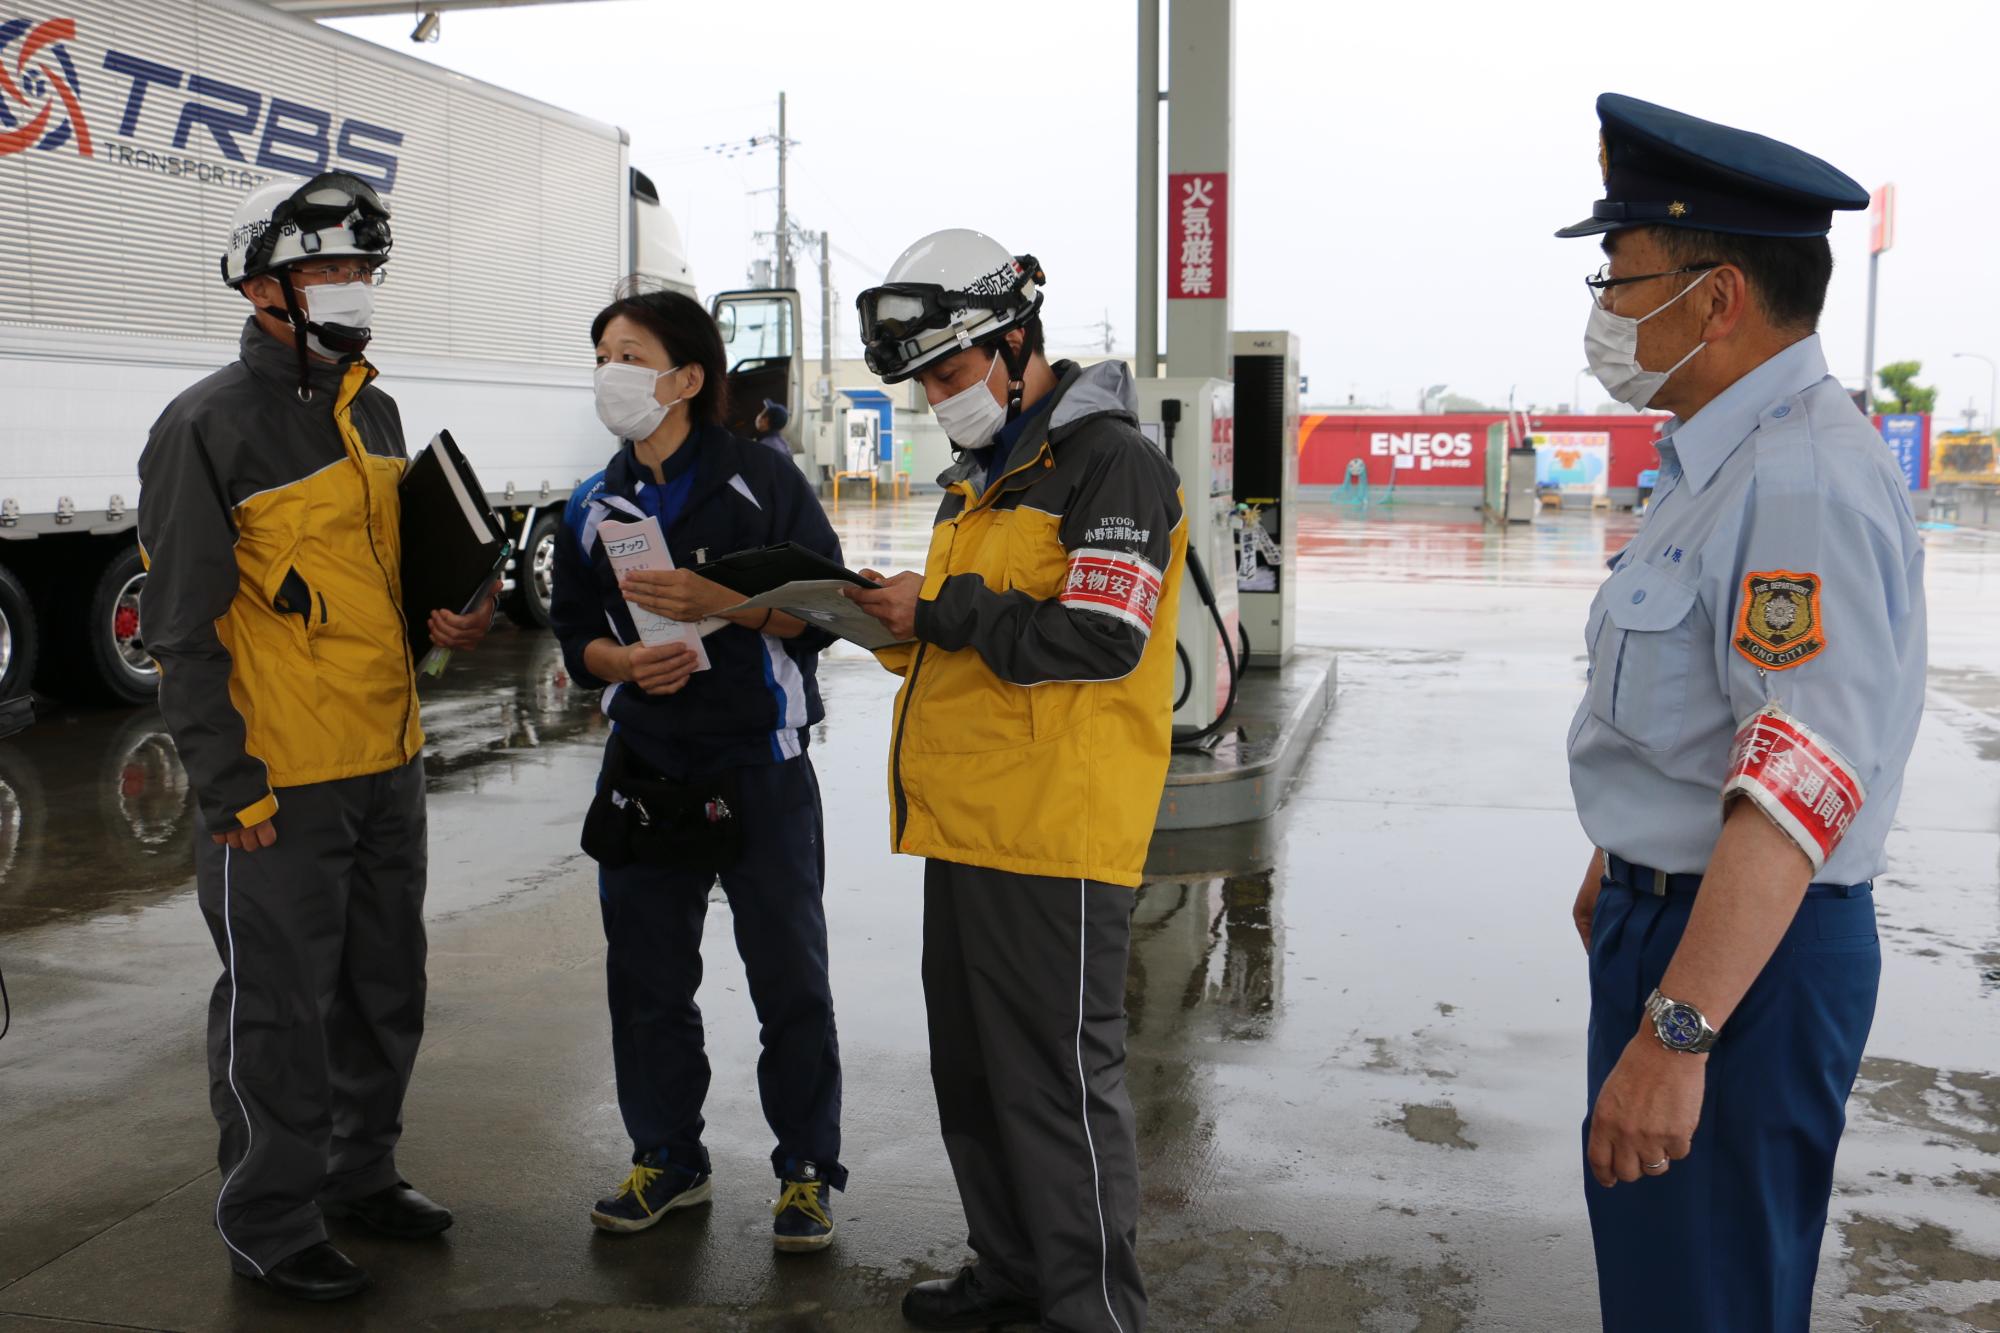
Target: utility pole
1993	389
782	236
1868	360
825	332
784	218
1881	237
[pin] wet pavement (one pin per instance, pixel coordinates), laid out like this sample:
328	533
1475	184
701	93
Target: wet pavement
1357	1029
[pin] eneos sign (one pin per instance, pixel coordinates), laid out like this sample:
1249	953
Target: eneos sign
1424	451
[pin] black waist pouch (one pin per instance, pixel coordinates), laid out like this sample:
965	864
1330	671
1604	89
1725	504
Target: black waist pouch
639	817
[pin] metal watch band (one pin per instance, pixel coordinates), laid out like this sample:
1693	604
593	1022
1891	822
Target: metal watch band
1679	1026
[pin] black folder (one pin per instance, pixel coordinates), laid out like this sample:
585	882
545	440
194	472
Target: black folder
453	543
756	572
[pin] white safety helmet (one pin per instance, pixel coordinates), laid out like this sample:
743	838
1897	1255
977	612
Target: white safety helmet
952	290
283	223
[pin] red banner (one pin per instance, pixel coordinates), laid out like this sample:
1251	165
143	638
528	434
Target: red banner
1197	236
1882	220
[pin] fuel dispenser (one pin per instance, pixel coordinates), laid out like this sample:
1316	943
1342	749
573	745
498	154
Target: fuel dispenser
1194	421
1267	491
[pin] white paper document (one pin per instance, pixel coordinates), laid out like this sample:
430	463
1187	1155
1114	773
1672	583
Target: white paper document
820	602
641	545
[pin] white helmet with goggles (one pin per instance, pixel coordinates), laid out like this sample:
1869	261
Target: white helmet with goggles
334	215
952	290
281	225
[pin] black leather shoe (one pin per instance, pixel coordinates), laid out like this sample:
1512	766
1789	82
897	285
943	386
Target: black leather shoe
316	1273
398	1211
959	1303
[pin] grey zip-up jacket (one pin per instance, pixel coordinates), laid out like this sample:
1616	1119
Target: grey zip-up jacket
273	605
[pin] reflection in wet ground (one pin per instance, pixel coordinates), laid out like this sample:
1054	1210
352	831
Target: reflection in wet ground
1355	1031
96	811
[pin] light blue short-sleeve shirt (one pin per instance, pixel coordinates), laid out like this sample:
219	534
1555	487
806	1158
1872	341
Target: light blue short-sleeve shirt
1778	494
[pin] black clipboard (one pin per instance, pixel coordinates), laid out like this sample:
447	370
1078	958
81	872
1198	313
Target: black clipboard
452	541
754	573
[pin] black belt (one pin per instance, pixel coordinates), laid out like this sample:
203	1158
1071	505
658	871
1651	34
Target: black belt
1659	883
1645	879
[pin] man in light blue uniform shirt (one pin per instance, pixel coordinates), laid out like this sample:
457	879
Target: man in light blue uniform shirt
1756	680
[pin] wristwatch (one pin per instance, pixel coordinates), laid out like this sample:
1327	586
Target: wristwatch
1680	1027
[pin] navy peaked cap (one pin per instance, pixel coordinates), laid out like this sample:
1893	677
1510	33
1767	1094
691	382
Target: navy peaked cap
1664	168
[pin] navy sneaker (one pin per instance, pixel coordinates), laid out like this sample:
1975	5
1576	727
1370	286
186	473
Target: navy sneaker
800	1220
655	1188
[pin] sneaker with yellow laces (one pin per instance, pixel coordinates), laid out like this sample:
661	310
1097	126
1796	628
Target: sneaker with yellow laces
655	1188
800	1220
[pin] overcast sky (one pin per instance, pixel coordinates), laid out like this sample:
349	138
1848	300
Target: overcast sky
1398	168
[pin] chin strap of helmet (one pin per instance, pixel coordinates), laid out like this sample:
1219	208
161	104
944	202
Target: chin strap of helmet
1017	373
1017	364
337	338
295	314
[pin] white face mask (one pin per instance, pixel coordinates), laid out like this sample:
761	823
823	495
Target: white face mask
350	305
625	401
971	416
1611	347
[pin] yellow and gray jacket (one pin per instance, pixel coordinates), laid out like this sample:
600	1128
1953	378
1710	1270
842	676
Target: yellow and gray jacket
1036	713
272	603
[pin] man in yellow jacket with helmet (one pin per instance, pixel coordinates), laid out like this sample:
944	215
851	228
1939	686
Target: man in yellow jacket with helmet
1030	748
269	519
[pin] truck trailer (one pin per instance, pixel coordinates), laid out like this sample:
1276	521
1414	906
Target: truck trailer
129	131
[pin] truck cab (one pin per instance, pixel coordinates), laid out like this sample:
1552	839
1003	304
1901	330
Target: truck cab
760	342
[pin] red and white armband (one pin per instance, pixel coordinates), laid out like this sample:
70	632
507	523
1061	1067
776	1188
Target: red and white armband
1118	584
1796	779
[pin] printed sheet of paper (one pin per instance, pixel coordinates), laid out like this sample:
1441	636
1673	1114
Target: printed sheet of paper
819	602
641	545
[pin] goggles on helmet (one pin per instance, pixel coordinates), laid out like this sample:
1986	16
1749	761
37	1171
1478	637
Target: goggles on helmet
896	316
330	199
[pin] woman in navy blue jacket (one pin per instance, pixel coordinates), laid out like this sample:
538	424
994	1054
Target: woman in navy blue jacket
706	772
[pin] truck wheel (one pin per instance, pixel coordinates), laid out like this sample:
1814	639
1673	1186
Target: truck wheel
19	641
112	650
535	574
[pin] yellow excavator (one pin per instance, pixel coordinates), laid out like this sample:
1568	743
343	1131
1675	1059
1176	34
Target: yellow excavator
1965	458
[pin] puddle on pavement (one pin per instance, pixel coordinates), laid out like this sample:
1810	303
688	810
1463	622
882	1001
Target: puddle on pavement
1440	1124
1959	1106
1258	1282
1934	1281
96	811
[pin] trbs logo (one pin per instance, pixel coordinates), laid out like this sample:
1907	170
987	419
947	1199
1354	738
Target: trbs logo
41	107
39	89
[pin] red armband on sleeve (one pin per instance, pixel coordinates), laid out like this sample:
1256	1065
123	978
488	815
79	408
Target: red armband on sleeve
1799	781
1118	584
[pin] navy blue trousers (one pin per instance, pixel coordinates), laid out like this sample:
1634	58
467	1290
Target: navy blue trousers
653	918
1727	1241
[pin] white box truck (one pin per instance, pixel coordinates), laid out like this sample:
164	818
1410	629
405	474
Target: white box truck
129	129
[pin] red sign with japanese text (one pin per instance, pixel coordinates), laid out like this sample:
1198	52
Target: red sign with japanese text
1197	236
1882	220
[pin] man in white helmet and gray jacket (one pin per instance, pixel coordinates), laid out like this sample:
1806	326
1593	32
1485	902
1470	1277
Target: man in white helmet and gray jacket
1030	749
269	519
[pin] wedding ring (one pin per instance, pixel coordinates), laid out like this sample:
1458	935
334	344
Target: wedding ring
1660	1165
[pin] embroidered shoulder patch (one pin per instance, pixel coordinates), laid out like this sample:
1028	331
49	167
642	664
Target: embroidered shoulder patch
1779	626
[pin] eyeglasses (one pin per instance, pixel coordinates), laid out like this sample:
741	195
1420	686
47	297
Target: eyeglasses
1601	281
372	274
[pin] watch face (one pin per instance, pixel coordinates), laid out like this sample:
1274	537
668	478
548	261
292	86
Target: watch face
1680	1026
